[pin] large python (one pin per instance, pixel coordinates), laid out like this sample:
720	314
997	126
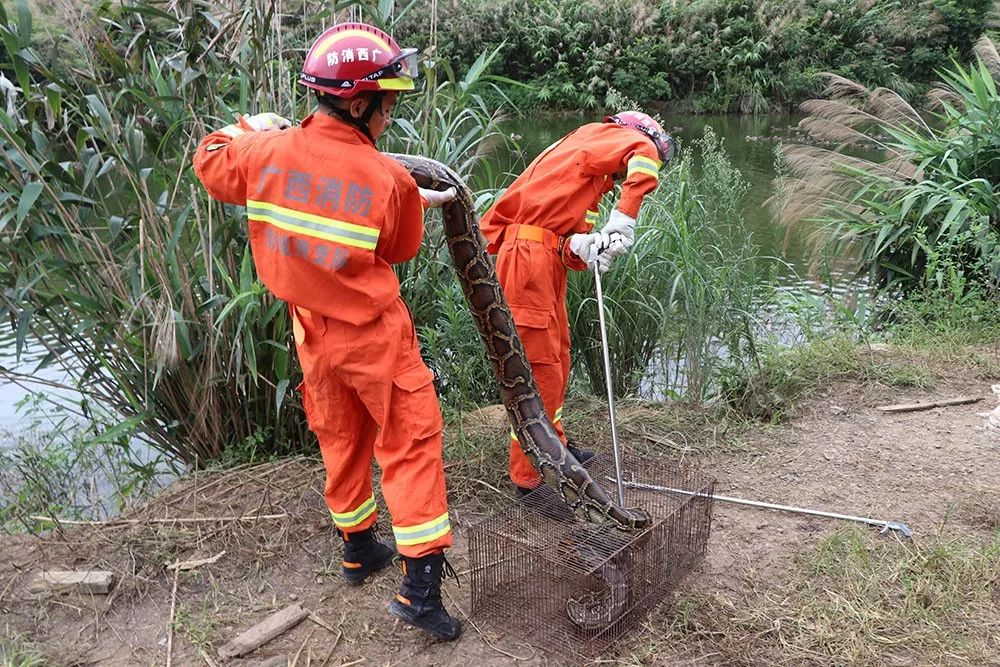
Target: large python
537	437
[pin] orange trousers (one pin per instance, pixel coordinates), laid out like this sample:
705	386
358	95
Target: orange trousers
533	278
367	393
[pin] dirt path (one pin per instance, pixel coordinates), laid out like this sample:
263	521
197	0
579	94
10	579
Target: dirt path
845	456
938	471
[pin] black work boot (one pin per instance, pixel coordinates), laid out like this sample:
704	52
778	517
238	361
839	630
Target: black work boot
363	555
581	455
418	602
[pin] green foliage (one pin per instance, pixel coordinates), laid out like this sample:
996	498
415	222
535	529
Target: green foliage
923	216
697	54
16	651
113	256
452	123
933	320
54	467
788	375
681	305
112	253
453	349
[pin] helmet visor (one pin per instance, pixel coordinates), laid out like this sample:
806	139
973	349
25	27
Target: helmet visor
404	66
666	147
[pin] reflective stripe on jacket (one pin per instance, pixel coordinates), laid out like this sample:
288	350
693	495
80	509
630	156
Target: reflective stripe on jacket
328	213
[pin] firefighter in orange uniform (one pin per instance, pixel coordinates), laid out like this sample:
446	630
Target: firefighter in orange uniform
544	224
329	215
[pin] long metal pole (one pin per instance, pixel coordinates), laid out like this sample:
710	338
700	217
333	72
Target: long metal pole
607	383
897	526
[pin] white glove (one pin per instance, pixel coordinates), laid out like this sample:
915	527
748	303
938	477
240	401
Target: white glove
619	223
265	121
588	247
603	262
616	245
436	198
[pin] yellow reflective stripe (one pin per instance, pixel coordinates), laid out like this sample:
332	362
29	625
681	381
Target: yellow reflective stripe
344	34
591	218
424	532
348	519
291	220
396	83
643	161
644	165
233	131
643	170
513	436
558	416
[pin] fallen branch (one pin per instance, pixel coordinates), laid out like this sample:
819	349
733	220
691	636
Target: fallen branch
207	658
112	522
295	658
321	623
173	609
191	564
913	407
265	631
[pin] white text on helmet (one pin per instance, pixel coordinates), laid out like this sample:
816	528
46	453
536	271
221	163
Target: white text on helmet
350	55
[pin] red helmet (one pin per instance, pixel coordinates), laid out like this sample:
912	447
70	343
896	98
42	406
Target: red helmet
637	120
353	57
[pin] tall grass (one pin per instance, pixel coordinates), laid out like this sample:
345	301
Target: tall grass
112	256
681	307
926	214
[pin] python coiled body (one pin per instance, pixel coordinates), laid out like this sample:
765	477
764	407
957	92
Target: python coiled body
493	318
597	550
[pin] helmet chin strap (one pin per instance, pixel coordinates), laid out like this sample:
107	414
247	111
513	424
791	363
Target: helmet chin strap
361	123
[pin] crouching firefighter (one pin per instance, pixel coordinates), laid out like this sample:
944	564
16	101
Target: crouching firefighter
329	215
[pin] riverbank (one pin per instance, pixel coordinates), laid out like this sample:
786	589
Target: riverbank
775	588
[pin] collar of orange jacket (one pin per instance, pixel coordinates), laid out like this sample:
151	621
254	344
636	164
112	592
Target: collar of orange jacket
334	128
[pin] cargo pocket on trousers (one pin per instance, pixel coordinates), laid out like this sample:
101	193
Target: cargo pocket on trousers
313	416
541	343
415	402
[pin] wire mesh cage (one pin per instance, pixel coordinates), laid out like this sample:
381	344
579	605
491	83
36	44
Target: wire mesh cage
548	578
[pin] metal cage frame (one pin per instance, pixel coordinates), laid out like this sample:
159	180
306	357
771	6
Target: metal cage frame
549	579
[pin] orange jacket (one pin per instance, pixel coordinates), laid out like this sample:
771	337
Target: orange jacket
328	213
561	189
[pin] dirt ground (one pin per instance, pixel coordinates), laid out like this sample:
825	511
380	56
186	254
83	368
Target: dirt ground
937	470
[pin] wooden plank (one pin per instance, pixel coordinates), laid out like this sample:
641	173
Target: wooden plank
927	405
95	582
265	631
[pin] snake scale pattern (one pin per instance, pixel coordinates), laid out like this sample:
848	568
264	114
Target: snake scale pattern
591	611
493	318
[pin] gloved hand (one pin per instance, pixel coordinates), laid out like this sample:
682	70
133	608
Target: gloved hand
616	246
264	121
619	223
588	247
603	262
436	198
